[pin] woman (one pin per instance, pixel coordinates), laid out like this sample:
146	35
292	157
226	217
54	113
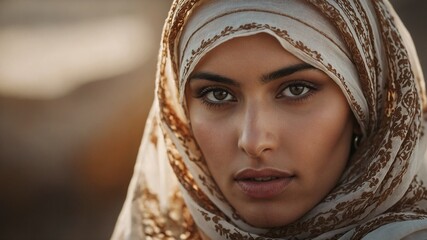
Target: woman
282	120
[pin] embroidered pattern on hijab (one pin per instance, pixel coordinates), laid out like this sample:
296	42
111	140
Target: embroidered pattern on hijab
364	48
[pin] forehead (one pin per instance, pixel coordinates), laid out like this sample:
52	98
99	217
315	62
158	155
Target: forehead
246	54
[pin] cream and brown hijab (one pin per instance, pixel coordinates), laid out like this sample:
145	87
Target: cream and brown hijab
363	46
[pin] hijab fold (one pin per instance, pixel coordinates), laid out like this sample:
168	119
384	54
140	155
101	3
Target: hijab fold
364	48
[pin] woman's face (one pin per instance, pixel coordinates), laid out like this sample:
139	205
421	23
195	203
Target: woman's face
275	131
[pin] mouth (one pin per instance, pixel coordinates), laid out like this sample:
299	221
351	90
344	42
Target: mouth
264	183
260	179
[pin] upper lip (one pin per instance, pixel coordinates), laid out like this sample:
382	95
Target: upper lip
248	173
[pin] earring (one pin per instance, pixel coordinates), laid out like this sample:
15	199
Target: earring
356	142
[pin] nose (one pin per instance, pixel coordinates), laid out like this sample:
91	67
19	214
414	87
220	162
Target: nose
257	132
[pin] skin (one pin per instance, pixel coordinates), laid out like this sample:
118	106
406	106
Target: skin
243	116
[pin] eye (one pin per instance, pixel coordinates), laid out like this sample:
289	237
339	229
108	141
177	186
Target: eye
297	90
218	95
215	96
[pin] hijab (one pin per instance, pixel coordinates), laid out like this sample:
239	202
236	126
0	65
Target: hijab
364	48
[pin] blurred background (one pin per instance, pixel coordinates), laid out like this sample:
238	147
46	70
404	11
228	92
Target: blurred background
76	84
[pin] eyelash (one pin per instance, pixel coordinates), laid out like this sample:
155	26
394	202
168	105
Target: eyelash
310	88
203	92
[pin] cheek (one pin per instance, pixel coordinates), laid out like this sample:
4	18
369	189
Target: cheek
216	142
328	141
330	132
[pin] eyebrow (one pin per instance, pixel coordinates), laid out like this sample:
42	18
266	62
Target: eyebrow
286	71
283	72
214	78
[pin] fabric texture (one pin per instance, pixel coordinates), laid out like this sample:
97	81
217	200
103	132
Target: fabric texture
364	47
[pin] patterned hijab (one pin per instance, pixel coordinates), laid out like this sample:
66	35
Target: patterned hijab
364	48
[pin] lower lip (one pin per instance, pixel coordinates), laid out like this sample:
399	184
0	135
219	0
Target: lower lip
264	190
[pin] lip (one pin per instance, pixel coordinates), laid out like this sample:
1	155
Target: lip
267	189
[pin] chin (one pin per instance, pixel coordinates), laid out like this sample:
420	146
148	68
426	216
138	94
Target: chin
265	220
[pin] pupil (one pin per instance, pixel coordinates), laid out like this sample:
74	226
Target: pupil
296	90
220	95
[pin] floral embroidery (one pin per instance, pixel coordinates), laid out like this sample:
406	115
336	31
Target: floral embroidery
379	170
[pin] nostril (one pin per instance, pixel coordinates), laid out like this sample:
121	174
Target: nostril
254	149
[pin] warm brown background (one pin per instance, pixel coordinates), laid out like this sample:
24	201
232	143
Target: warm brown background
66	160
